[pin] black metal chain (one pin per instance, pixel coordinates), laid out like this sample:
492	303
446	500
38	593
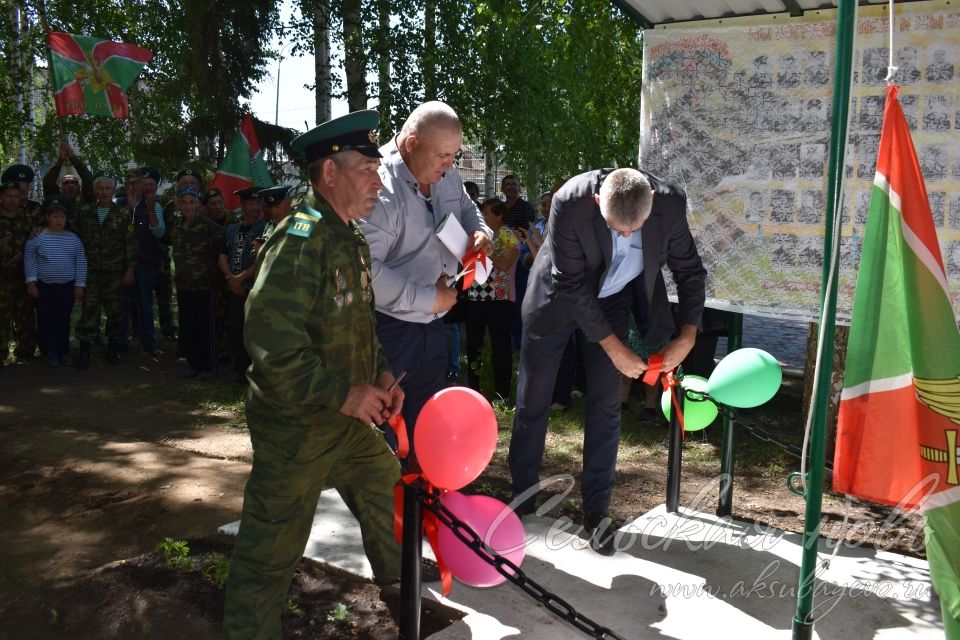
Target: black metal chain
508	569
762	434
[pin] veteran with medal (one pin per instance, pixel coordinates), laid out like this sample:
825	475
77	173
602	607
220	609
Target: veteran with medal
318	381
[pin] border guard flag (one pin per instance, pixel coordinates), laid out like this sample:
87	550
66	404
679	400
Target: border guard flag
90	75
243	165
900	406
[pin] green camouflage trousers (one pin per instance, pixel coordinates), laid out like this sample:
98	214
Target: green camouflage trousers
291	466
17	316
104	292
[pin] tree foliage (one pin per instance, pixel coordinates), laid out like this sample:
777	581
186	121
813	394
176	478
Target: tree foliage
552	87
208	59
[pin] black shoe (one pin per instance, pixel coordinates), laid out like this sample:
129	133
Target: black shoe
429	571
600	532
524	508
83	358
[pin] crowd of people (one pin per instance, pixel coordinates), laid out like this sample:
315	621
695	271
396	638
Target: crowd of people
117	252
340	313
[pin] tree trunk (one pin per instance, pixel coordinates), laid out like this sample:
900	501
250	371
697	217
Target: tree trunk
383	69
355	61
839	353
321	48
429	50
489	175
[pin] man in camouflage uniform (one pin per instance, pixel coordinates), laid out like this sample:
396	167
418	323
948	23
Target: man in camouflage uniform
318	381
16	308
111	248
164	276
23	176
196	242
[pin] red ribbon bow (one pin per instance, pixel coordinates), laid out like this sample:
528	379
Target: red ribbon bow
670	384
431	527
471	261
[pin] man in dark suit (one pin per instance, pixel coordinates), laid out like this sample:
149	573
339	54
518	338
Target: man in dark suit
610	232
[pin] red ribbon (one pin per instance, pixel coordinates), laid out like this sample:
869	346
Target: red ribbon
399	427
654	367
673	386
431	527
471	260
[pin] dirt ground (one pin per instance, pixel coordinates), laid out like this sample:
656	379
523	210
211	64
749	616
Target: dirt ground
98	467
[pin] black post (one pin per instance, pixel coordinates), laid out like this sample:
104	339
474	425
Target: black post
674	454
725	506
410	578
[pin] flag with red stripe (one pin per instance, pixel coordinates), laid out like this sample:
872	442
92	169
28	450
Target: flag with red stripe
900	406
90	75
243	166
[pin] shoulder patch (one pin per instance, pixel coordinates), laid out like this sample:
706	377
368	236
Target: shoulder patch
301	224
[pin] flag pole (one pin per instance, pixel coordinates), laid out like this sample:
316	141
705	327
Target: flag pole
803	621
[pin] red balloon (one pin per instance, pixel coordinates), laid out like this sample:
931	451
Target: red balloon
455	437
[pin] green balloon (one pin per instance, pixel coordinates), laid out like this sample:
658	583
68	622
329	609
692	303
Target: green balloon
745	378
697	414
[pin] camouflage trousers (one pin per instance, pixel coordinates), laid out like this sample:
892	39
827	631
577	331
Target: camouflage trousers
18	319
163	286
291	466
104	294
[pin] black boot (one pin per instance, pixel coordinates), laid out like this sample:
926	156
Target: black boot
83	359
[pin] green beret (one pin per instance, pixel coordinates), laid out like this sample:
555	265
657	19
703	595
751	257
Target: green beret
273	195
250	193
18	173
57	200
353	132
150	172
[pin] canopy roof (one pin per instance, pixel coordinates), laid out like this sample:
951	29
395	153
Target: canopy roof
650	13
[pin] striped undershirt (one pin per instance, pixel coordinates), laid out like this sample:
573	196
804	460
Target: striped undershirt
55	258
102	213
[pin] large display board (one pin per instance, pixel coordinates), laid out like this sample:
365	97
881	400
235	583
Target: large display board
738	113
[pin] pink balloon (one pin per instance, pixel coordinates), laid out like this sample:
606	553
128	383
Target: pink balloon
455	437
498	527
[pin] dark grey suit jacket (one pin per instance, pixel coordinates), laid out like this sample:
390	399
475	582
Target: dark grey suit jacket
569	270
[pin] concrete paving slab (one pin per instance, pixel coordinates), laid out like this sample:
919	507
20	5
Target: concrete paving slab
684	576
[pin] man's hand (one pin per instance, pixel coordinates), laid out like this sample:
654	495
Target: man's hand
235	284
446	296
482	242
77	293
677	349
386	381
366	403
32	290
65	149
623	358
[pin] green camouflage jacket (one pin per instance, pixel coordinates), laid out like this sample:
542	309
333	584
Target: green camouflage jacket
196	250
111	247
310	328
14	233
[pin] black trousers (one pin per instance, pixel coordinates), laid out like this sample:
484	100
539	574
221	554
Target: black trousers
238	353
421	351
539	361
53	316
496	318
195	316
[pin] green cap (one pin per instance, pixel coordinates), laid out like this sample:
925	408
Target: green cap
353	132
273	195
57	200
17	173
187	172
248	193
